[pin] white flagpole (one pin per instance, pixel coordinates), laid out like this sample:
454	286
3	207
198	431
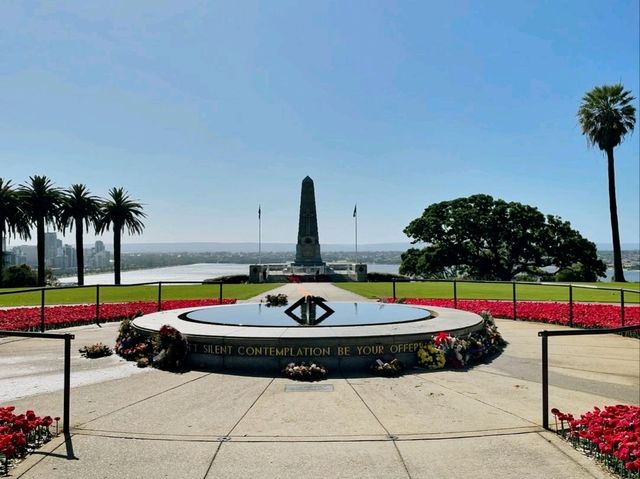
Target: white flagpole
259	234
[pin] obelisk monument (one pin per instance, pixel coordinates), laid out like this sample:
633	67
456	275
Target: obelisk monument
308	246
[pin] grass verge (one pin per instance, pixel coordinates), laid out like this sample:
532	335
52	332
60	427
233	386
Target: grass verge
118	294
533	292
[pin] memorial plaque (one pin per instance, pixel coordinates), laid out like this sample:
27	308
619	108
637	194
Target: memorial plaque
308	388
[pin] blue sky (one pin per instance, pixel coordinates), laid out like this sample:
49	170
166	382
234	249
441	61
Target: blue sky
203	110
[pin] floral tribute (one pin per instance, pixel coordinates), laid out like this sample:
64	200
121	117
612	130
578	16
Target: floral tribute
20	435
611	435
305	372
391	368
14	319
172	348
585	315
131	344
97	350
166	350
460	352
276	299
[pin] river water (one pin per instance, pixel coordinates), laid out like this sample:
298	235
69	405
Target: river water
202	271
190	272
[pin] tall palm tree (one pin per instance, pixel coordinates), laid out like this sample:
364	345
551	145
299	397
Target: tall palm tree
121	212
606	115
12	219
81	210
40	201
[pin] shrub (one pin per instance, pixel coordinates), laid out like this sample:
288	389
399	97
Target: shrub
231	279
19	276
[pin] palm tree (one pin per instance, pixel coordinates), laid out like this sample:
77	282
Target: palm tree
606	115
40	200
80	209
12	219
123	213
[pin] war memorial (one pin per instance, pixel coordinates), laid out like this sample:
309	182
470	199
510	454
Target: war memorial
308	265
343	335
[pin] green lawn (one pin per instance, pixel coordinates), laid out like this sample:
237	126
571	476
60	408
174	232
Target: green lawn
115	294
496	291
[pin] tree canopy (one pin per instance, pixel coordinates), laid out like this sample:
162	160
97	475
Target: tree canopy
485	238
121	212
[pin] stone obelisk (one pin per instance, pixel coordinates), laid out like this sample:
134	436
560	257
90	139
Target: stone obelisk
308	246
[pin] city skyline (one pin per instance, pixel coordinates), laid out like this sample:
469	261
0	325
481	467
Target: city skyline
203	112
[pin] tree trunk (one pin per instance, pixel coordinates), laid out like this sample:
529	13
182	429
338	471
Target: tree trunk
79	251
40	249
618	274
116	252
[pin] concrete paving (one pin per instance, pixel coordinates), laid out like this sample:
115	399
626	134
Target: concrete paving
480	423
295	291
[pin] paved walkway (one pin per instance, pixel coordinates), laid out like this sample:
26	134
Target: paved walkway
296	291
481	423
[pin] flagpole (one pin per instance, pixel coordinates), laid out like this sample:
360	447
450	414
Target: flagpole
355	215
259	234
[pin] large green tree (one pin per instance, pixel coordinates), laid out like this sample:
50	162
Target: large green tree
79	209
122	213
606	116
485	238
13	221
40	201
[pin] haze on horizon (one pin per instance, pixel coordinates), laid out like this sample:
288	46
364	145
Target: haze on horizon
203	112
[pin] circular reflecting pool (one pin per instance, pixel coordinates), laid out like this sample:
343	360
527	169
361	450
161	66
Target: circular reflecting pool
343	314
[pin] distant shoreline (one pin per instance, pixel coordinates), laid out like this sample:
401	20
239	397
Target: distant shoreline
202	271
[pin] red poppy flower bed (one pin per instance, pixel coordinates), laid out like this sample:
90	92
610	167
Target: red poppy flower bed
20	434
73	315
585	315
611	435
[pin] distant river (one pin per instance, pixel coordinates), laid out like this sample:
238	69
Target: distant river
202	271
190	272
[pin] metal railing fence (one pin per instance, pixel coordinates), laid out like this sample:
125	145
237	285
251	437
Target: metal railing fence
67	337
102	287
514	292
545	358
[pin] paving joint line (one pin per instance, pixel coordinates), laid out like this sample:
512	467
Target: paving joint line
390	437
44	456
142	400
564	453
480	401
227	437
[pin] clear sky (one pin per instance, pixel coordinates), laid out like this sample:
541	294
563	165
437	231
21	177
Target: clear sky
203	110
